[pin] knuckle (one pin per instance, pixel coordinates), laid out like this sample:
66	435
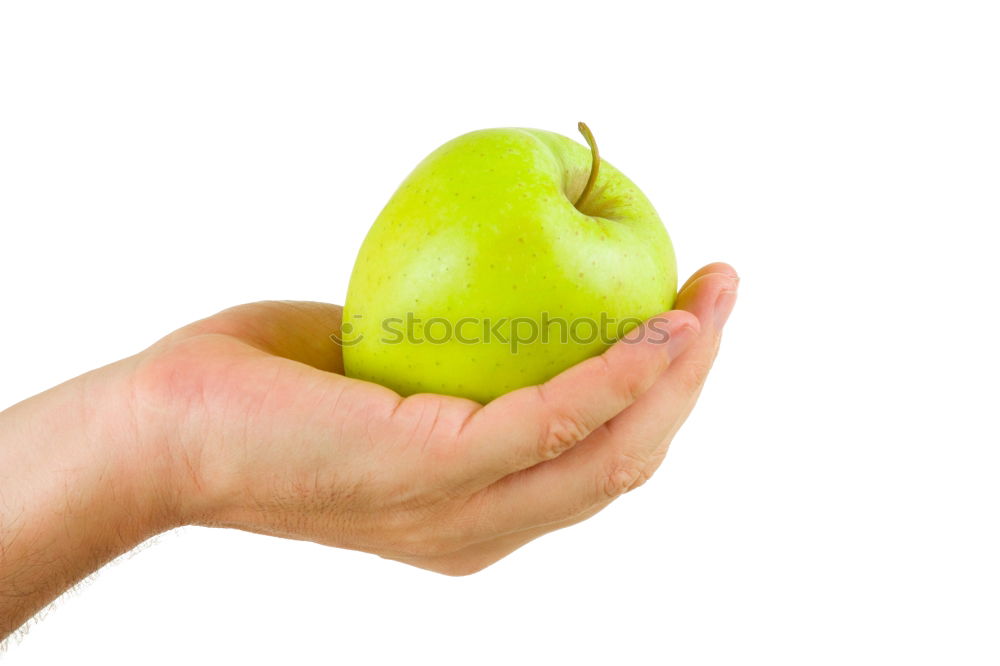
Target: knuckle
627	387
561	433
645	475
635	386
631	385
625	474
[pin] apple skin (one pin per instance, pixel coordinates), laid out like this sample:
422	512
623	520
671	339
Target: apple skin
485	227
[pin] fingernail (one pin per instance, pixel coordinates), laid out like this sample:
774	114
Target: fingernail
680	339
723	307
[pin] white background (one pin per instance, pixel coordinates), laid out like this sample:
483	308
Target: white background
834	497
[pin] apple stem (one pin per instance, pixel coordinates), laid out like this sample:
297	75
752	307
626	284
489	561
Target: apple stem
595	163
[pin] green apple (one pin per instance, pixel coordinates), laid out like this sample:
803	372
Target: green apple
505	257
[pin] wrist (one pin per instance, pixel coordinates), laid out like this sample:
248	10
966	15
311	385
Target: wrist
167	404
78	488
83	436
133	450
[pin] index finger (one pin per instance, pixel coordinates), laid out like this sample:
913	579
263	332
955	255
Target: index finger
538	423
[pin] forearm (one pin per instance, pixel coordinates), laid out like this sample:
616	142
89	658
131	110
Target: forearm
75	490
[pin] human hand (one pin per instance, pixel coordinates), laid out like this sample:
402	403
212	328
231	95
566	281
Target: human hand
259	430
244	420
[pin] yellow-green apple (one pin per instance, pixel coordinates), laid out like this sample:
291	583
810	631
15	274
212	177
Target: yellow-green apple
505	257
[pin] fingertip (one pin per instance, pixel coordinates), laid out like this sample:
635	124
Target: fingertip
724	307
718	267
701	296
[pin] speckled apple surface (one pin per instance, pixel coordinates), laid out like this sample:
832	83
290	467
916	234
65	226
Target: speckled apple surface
485	229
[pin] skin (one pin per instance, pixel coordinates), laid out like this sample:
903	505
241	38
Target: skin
245	420
498	224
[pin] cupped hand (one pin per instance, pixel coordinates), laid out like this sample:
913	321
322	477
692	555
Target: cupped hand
259	430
